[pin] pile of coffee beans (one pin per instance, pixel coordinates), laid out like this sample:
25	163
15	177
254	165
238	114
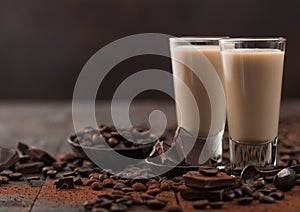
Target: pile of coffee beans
118	139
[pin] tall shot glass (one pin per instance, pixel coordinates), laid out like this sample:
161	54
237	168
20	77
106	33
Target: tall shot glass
253	69
196	62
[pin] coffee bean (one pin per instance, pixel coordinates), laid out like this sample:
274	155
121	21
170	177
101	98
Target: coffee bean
245	200
15	176
127	189
277	195
119	186
266	199
84	172
229	196
165	186
4	180
209	172
200	204
90	182
285	180
118	208
69	174
108	183
174	208
153	191
139	187
32	178
155	204
59	165
138	201
96	186
257	194
238	192
78	181
89	204
112	142
267	191
6	172
125	201
246	190
258	184
103	202
104	195
216	205
51	173
45	169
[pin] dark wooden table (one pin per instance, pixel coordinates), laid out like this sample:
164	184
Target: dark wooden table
48	124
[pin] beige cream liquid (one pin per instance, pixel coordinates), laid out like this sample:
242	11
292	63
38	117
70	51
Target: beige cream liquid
190	55
252	79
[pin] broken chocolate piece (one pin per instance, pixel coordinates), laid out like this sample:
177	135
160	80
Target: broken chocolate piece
29	168
65	183
197	194
197	180
36	154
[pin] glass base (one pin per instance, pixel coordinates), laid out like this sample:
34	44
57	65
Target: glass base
260	155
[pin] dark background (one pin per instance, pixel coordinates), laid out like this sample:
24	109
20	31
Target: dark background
45	43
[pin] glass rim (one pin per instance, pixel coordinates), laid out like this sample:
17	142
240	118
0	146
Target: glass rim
252	39
197	39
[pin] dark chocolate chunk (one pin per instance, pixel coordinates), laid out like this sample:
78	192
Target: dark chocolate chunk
65	183
36	154
266	199
285	180
78	181
29	168
221	180
245	200
155	204
196	194
209	172
200	204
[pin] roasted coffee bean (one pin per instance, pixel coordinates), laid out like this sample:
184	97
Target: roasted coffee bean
59	165
209	172
6	172
15	176
257	194
69	174
216	205
138	201
4	180
258	184
118	208
165	186
103	176
139	187
103	202
65	183
285	180
119	186
229	196
108	183
200	204
90	182
96	186
32	178
89	204
277	195
267	191
155	204
125	201
238	192
52	173
78	181
84	172
245	200
45	169
107	196
266	199
174	208
127	189
153	191
112	142
247	190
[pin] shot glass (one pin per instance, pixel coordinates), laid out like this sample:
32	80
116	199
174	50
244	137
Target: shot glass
198	72
253	69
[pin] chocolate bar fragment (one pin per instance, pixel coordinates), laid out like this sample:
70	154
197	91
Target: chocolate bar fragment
197	194
29	168
65	183
196	180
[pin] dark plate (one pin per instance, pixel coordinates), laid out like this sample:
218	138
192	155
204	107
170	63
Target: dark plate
172	170
140	152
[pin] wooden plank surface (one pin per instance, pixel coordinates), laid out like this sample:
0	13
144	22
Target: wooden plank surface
47	125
